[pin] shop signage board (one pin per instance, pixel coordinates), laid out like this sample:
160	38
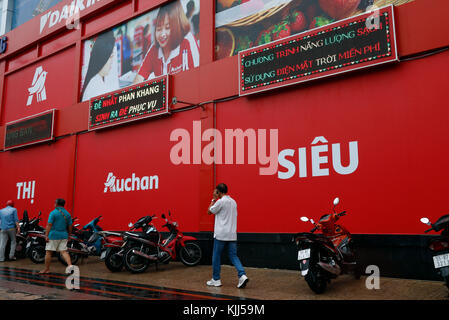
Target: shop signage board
358	42
146	99
30	130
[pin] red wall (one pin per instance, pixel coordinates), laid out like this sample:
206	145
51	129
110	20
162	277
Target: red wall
396	114
50	165
142	148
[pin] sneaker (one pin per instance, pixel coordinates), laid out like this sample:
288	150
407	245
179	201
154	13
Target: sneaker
13	259
243	280
214	283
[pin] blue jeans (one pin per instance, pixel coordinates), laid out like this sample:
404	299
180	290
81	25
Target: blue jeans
232	252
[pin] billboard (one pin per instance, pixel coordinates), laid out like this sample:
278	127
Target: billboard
160	42
243	24
354	43
144	100
30	130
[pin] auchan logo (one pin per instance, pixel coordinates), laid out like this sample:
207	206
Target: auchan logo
134	183
67	13
38	86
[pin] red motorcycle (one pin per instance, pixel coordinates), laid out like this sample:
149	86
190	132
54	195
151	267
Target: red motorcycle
325	256
149	247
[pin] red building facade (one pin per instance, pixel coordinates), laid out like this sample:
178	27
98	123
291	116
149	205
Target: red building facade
384	125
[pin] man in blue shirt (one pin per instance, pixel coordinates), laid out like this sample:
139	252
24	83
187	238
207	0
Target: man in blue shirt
8	223
59	227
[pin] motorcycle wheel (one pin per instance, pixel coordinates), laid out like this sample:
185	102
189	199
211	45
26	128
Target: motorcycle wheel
74	257
316	281
37	254
135	263
114	262
190	255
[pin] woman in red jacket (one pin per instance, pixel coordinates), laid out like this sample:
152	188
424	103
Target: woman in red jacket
175	48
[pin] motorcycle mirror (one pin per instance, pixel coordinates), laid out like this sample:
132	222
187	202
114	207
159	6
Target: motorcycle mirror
130	224
425	221
336	201
304	219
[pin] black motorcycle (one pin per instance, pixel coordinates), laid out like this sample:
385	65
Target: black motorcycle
35	241
440	246
327	255
117	244
22	238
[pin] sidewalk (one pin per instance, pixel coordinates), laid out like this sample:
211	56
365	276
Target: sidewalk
264	284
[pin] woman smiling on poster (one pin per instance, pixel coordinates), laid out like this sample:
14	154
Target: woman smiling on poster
175	48
100	77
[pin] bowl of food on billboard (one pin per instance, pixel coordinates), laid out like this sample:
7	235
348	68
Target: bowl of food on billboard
243	24
160	42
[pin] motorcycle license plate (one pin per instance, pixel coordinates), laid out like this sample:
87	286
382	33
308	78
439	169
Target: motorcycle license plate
303	254
103	255
441	260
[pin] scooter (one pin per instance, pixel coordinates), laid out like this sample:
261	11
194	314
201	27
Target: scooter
440	246
84	242
325	256
151	248
22	238
35	242
116	244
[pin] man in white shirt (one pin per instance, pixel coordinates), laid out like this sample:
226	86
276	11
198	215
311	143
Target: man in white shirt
225	233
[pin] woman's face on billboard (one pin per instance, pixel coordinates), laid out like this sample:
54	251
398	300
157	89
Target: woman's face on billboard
163	32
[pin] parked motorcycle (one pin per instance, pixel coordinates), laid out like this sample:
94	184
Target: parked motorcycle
115	245
325	256
84	242
151	248
35	242
22	238
440	246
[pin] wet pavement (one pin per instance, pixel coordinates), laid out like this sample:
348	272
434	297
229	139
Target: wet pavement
19	280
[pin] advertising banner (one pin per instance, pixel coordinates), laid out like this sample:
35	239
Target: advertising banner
144	100
244	24
161	42
350	44
30	130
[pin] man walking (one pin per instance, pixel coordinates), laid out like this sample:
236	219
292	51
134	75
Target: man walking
59	227
10	226
225	233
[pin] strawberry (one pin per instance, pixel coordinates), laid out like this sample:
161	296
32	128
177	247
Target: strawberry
339	9
281	30
299	22
264	37
319	22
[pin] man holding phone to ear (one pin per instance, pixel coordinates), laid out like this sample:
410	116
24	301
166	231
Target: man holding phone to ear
225	233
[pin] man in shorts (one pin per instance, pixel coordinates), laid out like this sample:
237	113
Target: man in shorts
59	227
